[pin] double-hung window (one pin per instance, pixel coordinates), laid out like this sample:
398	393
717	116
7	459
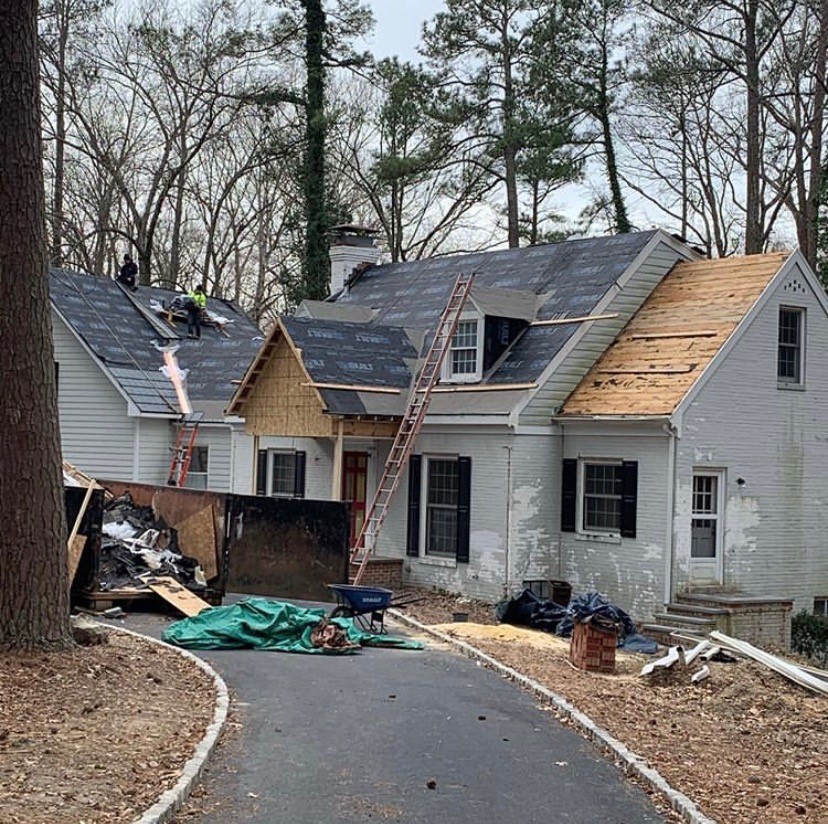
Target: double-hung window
439	507
603	484
280	473
599	497
464	358
790	360
198	474
442	487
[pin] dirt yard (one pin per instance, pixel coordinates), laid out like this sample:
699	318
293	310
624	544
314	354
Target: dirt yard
96	734
746	745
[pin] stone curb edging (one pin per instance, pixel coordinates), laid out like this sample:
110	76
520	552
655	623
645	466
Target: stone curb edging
170	801
629	762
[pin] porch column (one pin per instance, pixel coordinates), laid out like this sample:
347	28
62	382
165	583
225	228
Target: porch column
336	477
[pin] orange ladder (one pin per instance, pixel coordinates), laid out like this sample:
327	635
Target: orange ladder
182	452
412	421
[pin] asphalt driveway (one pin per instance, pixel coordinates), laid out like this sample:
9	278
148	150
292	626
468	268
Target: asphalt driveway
398	736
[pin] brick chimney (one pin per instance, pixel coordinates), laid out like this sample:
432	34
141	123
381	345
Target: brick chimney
352	248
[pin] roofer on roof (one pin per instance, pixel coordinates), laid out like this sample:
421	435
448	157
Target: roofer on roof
128	273
196	304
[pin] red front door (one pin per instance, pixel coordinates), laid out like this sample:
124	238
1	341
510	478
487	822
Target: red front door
354	483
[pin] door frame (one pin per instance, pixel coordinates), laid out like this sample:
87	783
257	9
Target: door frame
356	471
720	476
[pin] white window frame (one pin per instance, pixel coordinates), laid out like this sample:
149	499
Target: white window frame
192	474
271	458
821	605
582	528
447	374
784	382
427	459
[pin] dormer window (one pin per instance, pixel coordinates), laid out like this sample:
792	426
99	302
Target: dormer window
463	362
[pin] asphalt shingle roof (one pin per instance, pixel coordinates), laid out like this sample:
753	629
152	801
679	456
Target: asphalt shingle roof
122	331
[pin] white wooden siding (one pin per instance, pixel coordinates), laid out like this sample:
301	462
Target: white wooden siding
776	440
96	434
155	439
549	398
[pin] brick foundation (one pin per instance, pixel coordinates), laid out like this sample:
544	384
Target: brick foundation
592	649
381	572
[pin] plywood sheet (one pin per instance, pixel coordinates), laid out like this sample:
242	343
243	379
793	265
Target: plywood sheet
652	364
197	539
179	596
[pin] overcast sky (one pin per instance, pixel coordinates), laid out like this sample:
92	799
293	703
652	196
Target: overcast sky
399	26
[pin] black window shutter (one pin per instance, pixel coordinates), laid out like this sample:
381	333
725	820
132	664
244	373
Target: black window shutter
629	498
261	472
299	475
415	476
463	509
569	494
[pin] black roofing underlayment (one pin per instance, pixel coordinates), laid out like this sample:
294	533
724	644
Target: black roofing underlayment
118	333
569	278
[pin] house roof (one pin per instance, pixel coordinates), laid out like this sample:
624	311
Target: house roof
121	330
673	337
536	283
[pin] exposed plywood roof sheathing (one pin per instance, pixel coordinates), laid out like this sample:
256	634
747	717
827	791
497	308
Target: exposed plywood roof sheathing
659	356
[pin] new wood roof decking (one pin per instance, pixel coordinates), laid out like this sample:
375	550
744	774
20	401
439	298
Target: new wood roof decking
673	337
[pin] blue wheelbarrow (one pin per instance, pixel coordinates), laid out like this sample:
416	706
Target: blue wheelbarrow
365	605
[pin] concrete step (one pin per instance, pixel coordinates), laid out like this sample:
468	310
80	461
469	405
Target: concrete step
685	621
698	610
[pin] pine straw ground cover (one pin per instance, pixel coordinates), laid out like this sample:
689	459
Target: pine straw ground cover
96	734
746	745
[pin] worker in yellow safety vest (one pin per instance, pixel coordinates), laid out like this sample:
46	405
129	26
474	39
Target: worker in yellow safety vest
196	304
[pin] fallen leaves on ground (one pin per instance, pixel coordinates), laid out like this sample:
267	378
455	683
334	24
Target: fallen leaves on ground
96	734
746	745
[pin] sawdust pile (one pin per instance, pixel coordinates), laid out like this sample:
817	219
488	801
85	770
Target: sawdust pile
96	734
746	745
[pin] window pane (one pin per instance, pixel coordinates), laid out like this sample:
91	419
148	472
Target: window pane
703	538
284	473
705	494
441	506
465	336
464	361
200	457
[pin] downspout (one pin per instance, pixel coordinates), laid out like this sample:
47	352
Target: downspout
560	532
507	586
672	430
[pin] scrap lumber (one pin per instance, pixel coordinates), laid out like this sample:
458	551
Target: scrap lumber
580	319
779	665
197	539
76	546
179	596
701	675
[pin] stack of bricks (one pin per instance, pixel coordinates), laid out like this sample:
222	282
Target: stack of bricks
593	649
381	572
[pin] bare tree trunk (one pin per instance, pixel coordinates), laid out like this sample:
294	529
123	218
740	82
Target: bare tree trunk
509	153
34	598
753	224
63	17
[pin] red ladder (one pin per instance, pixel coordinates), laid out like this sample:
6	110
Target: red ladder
182	452
410	425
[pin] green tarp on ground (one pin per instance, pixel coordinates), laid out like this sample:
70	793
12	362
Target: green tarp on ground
258	623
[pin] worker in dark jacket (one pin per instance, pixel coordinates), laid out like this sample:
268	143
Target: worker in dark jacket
196	304
128	273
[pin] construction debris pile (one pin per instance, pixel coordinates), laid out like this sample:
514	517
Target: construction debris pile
136	545
527	609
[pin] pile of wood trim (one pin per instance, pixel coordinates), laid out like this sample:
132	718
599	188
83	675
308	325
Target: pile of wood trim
677	662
